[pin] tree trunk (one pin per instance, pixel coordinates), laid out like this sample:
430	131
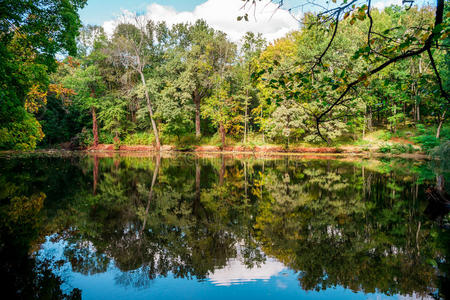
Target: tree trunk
440	183
263	139
150	112
418	112
197	100
441	121
245	119
369	120
222	134
94	126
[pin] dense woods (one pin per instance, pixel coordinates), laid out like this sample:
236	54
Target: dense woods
188	84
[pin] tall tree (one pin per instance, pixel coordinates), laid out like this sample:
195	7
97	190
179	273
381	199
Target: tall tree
32	33
135	46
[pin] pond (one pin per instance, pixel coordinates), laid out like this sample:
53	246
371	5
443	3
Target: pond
115	226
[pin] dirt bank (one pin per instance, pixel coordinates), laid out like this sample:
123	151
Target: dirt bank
264	149
259	151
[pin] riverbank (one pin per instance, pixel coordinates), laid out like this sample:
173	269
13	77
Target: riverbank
109	150
257	150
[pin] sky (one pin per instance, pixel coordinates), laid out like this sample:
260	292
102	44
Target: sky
219	14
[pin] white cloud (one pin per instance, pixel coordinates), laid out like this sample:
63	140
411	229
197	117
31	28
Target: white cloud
386	3
222	15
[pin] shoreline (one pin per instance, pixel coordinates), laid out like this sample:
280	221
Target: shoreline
232	151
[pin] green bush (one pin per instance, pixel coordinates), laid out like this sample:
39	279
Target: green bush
139	138
402	148
23	135
188	140
385	149
427	137
386	135
106	138
84	138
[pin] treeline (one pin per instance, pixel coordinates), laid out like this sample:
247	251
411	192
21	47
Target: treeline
187	84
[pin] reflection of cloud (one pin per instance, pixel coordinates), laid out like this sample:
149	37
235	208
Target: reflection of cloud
235	272
281	284
415	296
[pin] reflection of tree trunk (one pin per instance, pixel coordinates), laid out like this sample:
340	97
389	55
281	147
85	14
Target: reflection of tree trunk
364	182
245	179
94	126
150	112
197	100
150	195
222	170
222	133
197	180
95	174
417	238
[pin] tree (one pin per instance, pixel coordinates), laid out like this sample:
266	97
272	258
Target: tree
382	49
87	83
252	46
221	107
32	32
134	47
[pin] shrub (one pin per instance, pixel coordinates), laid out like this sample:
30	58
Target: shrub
385	149
106	138
23	135
139	138
83	139
427	142
427	137
386	135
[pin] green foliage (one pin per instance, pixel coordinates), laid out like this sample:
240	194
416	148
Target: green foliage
32	33
139	138
385	148
396	148
84	138
191	78
22	135
427	137
386	135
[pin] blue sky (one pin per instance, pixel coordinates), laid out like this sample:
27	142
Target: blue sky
99	11
273	23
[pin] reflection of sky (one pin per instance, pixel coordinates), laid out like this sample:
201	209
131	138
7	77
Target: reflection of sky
271	280
236	272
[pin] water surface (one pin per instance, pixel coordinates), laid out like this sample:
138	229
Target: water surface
221	227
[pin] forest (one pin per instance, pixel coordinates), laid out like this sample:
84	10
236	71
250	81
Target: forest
353	76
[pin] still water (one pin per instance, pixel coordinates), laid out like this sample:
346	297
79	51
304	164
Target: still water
221	227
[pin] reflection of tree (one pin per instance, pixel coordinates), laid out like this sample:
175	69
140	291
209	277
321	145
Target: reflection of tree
340	233
335	223
25	210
